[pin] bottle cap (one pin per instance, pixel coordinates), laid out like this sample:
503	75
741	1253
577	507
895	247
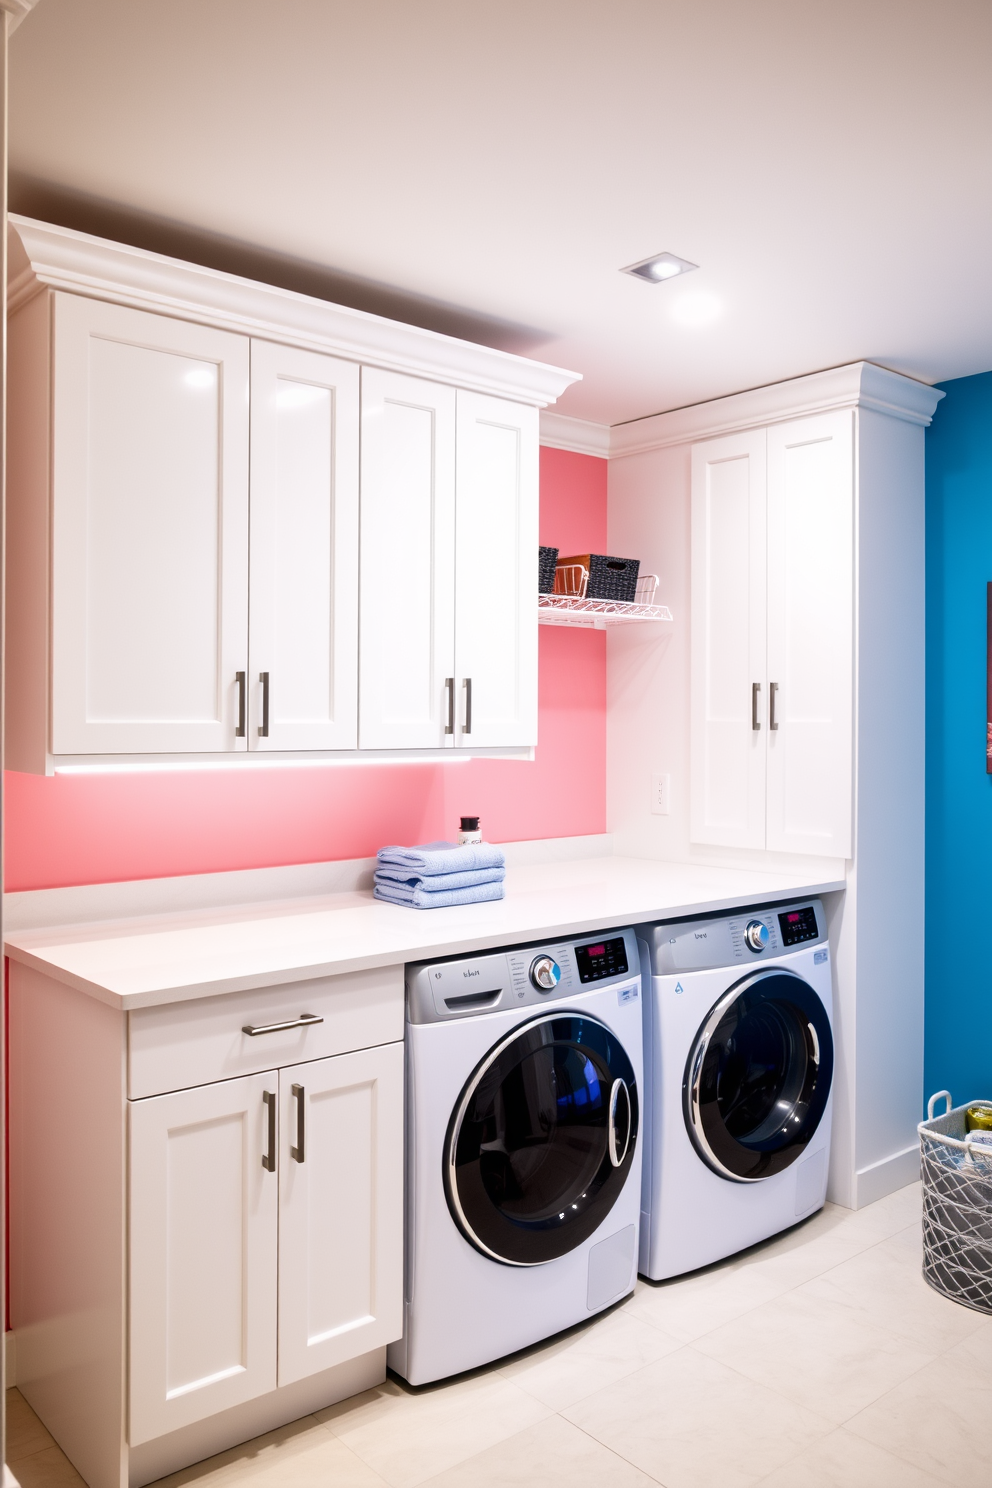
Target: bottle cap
470	823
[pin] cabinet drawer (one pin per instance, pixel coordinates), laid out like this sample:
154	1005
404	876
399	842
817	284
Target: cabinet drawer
194	1043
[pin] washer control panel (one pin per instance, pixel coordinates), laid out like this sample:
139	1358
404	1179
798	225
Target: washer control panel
740	938
466	986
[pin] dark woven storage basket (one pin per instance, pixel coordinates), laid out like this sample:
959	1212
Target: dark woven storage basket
609	578
546	560
957	1207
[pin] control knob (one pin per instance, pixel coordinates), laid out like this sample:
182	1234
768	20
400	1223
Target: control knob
756	935
545	973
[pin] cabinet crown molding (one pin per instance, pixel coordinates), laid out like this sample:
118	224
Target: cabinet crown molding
45	255
858	385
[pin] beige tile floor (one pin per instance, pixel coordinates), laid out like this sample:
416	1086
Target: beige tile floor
818	1359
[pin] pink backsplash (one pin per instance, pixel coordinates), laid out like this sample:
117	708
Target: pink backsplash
103	828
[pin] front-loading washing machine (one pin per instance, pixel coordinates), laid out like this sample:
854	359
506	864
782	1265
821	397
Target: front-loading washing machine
738	1064
523	1163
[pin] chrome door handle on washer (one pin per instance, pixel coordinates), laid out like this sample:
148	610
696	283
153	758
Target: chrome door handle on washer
617	1158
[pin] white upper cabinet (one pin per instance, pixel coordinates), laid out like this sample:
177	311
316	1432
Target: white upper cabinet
772	637
496	572
407	626
149	609
810	634
272	525
304	550
728	692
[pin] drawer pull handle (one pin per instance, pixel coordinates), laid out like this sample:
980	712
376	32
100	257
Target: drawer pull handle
269	1157
299	1151
303	1021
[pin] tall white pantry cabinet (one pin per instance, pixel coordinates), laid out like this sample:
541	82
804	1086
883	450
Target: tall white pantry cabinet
787	523
242	520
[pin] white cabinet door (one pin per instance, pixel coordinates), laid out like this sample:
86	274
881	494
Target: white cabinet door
203	1227
304	550
407	562
810	633
728	705
340	1209
150	532
496	572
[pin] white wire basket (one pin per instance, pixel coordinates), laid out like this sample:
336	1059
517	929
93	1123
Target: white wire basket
956	1167
569	604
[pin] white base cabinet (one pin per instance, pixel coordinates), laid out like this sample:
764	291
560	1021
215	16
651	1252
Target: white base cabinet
199	1264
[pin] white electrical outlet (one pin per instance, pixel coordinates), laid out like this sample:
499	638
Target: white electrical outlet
661	795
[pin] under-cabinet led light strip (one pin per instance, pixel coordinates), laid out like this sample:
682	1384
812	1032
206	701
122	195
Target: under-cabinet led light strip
134	767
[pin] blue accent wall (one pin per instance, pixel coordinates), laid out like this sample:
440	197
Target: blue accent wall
958	1053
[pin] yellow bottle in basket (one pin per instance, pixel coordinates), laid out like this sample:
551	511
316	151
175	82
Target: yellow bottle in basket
979	1118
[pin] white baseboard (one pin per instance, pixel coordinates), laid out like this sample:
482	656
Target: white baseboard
884	1177
10	1358
36	909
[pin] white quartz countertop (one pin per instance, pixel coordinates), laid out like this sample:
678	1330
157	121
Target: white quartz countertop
201	953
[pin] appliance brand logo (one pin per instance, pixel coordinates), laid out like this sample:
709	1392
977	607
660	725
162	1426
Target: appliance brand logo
679	989
700	934
471	973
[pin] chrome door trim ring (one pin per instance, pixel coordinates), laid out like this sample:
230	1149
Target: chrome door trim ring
456	1128
698	1054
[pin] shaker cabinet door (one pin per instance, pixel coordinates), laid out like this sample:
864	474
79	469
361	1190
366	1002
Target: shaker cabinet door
496	572
407	562
149	532
810	634
203	1247
304	550
728	707
340	1209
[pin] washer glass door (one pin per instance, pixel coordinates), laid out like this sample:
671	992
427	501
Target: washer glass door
541	1139
758	1076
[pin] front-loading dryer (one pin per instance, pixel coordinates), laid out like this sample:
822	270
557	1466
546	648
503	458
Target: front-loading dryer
738	1063
523	1162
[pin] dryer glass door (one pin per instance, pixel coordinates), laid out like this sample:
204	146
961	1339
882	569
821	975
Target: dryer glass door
758	1076
541	1140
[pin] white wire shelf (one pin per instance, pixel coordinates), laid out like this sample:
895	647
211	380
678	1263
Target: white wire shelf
572	607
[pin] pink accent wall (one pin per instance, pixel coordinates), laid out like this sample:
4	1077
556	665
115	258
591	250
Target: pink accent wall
77	829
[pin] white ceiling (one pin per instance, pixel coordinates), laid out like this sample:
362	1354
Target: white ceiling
489	167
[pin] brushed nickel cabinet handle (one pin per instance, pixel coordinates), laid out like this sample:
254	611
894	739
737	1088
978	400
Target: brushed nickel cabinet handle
755	689
303	1021
263	727
269	1156
772	720
449	687
241	679
467	725
299	1151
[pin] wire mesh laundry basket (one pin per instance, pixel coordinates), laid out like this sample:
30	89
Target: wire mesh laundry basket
956	1167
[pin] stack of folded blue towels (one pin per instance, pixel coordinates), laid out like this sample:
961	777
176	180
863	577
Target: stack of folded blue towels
440	874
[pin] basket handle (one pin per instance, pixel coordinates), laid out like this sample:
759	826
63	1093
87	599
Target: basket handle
946	1095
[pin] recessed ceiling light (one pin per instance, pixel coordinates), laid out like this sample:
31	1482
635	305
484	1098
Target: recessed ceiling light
660	266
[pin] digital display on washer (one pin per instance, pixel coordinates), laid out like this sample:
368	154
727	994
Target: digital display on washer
798	925
603	958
